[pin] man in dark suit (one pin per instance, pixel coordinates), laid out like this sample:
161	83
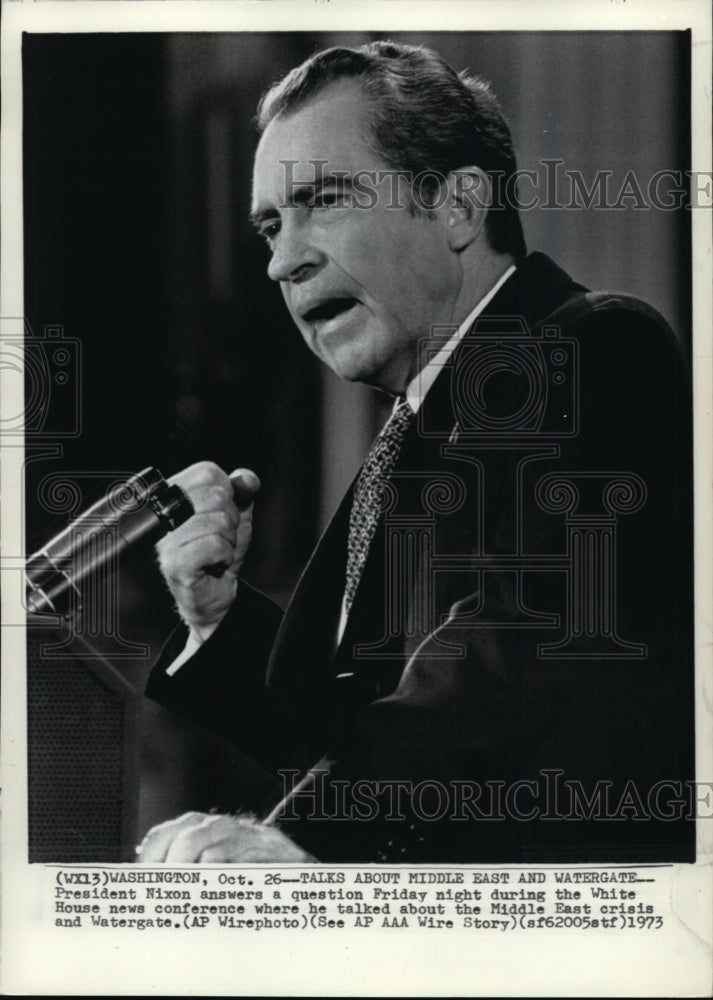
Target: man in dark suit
490	650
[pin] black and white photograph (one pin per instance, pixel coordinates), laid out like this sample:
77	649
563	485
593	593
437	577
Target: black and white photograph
353	387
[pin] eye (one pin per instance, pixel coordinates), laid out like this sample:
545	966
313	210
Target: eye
269	230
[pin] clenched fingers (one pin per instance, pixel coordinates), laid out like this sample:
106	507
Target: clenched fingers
206	838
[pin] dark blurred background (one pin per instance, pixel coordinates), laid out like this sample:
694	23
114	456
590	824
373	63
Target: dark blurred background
137	163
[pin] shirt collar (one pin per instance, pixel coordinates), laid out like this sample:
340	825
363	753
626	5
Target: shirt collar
417	389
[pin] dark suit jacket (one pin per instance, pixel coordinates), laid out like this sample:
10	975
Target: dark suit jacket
516	674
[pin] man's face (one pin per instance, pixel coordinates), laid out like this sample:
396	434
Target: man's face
363	284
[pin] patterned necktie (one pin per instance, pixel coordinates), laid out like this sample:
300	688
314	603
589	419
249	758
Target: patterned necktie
368	494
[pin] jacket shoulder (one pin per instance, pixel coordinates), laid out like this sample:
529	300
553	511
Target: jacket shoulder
618	321
585	305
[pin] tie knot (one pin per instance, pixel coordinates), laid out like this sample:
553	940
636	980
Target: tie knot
402	411
397	424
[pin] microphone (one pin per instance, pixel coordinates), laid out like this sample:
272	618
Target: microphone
139	511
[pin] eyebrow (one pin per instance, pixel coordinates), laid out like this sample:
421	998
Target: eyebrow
301	194
261	215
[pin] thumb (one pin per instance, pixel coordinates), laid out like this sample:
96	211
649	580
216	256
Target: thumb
245	486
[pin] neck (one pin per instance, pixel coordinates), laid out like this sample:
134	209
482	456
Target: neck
478	278
479	273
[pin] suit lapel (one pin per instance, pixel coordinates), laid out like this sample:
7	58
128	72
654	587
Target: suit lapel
307	636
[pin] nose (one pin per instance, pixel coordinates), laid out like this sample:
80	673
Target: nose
294	256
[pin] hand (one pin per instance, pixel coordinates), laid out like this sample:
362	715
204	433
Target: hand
207	838
201	559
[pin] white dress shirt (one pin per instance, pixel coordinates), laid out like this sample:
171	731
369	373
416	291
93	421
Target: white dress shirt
415	394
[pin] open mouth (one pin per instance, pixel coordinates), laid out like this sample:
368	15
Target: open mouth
329	310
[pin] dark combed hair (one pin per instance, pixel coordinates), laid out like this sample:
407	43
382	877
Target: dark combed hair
425	117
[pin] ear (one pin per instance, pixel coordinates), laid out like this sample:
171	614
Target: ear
470	195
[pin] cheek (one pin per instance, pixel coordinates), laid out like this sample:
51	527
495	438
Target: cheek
401	296
304	331
371	250
285	292
309	339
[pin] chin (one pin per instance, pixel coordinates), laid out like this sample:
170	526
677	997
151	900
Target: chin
375	379
355	362
350	367
351	373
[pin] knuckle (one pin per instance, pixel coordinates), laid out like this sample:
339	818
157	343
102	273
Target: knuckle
181	821
192	816
216	853
217	497
207	470
199	474
183	837
224	522
161	829
150	838
189	827
212	474
216	547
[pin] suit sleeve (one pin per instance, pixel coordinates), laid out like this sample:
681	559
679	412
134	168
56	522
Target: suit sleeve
222	687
